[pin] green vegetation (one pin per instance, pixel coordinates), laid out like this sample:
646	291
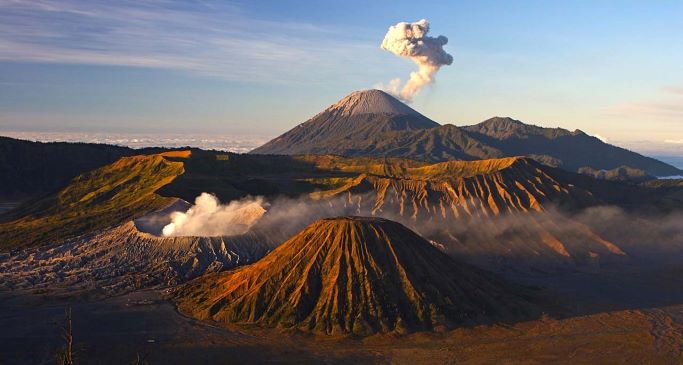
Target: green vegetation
102	198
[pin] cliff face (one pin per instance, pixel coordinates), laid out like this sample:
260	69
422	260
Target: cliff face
458	189
502	214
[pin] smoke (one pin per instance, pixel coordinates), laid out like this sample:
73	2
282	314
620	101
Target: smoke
207	217
539	239
410	40
551	238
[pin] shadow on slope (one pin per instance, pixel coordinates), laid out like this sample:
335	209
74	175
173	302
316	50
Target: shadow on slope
359	276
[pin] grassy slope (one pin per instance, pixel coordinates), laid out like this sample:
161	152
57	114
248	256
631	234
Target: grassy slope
98	199
135	185
232	176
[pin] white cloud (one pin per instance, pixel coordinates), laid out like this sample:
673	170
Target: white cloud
215	39
666	107
219	142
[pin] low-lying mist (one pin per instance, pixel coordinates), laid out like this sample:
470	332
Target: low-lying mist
607	232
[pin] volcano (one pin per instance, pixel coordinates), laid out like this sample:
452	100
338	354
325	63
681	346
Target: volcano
373	123
355	275
360	116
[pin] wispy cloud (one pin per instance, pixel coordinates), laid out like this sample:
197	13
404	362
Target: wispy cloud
673	90
232	143
674	141
216	39
668	106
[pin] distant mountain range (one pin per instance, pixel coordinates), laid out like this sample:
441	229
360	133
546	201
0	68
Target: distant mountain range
373	123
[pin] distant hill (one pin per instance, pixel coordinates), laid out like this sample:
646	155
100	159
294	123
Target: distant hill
30	168
355	275
621	173
373	123
574	149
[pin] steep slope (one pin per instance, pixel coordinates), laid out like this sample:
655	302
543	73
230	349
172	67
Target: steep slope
507	213
454	189
500	214
31	168
575	149
442	143
101	198
354	275
360	116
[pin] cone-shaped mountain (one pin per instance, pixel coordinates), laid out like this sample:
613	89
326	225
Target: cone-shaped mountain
357	117
355	275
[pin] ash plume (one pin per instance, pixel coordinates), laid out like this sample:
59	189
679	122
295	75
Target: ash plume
410	40
207	217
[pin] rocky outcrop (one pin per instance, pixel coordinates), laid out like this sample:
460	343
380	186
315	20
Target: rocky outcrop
501	214
122	259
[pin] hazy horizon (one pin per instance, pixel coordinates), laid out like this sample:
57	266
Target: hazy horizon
245	143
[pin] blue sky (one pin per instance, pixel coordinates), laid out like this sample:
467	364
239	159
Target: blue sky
612	68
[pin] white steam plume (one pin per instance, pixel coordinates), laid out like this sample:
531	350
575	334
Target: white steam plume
209	218
411	40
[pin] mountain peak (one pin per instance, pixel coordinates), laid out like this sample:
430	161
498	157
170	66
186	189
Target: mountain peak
505	127
371	101
501	123
354	275
359	118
